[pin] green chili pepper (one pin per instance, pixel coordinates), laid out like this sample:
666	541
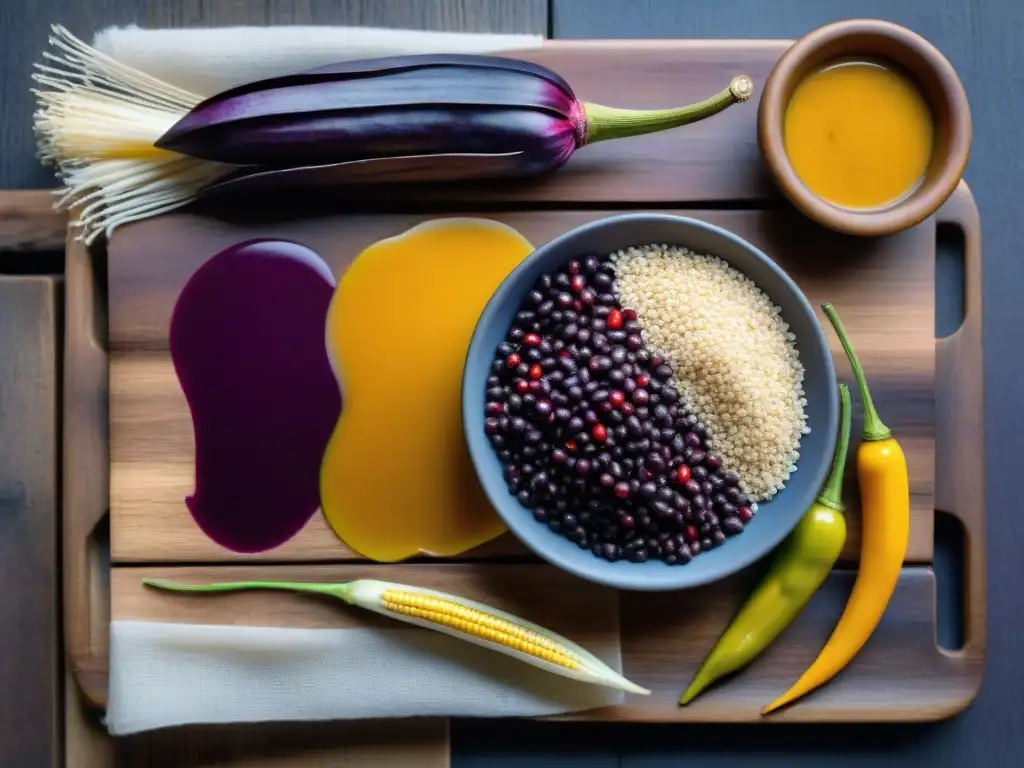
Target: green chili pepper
803	562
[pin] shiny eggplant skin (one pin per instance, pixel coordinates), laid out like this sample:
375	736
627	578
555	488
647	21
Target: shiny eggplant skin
389	107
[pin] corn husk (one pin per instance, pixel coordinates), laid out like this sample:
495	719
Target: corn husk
452	615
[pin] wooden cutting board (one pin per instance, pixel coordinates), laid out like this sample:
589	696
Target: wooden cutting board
929	391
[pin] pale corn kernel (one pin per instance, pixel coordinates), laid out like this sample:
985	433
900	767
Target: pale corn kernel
479	624
734	357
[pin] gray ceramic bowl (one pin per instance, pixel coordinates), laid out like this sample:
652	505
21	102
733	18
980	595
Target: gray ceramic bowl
775	519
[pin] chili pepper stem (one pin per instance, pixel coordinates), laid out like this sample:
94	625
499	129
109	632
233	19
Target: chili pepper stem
874	428
831	494
613	123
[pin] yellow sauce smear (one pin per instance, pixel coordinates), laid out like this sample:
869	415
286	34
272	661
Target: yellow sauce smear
396	478
858	134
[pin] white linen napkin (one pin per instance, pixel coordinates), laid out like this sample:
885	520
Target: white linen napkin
209	60
164	674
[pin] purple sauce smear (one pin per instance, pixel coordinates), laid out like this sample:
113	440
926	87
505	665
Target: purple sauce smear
247	341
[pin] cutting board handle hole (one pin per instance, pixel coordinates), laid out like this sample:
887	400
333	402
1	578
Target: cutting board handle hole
100	335
949	562
949	279
29	262
99	551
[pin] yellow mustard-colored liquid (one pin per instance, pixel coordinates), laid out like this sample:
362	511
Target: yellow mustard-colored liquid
858	134
396	478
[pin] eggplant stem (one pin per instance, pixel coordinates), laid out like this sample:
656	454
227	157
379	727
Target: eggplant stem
612	123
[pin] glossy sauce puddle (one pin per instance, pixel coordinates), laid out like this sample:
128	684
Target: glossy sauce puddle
246	340
396	478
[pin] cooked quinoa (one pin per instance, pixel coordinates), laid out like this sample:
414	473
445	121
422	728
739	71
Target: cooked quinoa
734	357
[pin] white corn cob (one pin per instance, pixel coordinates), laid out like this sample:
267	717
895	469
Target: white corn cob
456	616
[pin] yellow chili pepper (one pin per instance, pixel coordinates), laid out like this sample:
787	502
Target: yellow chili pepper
885	530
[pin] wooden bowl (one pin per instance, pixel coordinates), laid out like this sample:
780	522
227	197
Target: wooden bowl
938	83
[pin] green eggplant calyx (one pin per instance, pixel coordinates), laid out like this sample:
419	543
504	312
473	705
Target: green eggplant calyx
340	591
831	494
874	428
604	123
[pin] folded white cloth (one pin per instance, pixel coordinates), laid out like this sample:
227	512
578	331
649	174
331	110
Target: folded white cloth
164	674
206	61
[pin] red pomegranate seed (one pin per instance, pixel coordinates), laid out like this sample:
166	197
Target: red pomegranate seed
536	371
657	361
531	339
627	409
577	305
642	380
513	360
564	353
683	474
599	433
614	319
622	491
744	513
574	267
577	283
629	314
617	397
691	533
534	386
494	408
570	445
626	521
522	386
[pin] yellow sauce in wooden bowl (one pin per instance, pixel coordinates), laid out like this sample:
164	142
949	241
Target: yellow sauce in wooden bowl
859	134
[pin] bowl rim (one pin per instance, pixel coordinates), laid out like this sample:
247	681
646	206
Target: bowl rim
897	216
638	579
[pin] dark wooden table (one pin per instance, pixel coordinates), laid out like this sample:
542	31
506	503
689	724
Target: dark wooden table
981	38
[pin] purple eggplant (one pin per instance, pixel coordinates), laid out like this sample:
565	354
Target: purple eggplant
467	110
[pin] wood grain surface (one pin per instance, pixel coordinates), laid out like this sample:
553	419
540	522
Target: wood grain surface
29	624
151	443
29	223
378	743
85	472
